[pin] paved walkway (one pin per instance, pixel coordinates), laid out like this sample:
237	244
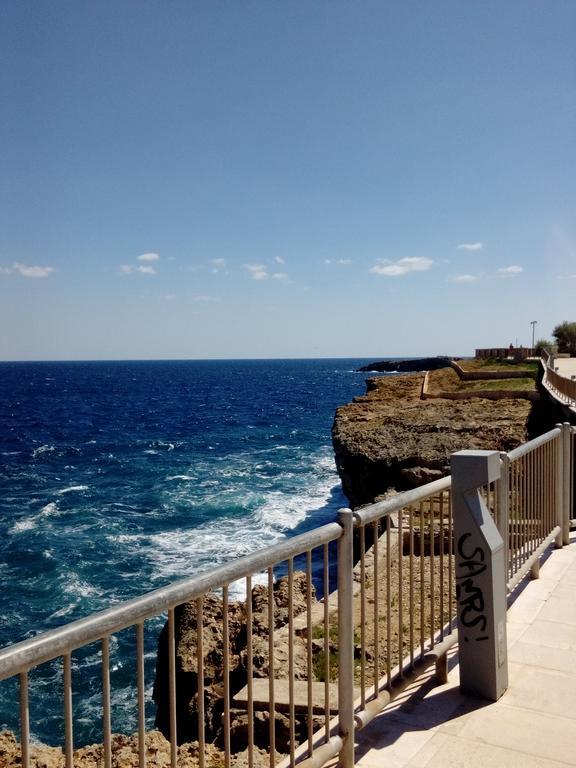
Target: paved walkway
566	366
532	726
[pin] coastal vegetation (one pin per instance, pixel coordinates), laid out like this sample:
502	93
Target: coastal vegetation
565	335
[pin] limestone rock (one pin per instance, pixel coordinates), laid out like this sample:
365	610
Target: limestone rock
186	635
391	438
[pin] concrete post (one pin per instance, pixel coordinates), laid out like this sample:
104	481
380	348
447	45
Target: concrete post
346	639
480	571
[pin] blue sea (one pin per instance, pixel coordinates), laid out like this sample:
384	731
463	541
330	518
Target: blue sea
120	477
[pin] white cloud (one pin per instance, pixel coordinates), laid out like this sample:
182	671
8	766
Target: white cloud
257	271
146	270
279	260
464	278
148	257
470	247
280	276
219	263
402	266
125	269
26	271
5	271
340	262
514	269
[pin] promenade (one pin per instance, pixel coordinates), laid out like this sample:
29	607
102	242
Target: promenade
566	366
532	726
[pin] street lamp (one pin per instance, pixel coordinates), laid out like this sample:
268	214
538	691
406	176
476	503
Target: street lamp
533	324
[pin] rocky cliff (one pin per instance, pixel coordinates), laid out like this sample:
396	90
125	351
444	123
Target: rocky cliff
390	438
411	365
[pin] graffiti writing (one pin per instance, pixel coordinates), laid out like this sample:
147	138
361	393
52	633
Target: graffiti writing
469	595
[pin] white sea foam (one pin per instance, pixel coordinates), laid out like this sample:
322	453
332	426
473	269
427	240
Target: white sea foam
79	587
31	522
181	477
72	488
42	449
23	525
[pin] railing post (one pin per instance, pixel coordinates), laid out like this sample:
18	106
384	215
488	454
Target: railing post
503	501
346	639
566	481
480	577
558	488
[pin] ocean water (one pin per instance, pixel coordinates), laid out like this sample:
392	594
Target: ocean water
120	477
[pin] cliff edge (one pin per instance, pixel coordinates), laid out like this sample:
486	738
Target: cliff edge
391	439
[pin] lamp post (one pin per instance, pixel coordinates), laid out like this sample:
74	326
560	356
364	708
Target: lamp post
533	324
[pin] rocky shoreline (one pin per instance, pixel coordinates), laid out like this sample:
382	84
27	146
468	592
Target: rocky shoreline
412	365
392	439
386	440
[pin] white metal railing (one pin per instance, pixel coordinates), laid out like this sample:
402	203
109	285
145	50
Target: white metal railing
392	615
561	388
533	500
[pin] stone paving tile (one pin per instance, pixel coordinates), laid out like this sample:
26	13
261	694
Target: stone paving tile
543	690
527	731
550	634
444	751
546	656
559	610
525	610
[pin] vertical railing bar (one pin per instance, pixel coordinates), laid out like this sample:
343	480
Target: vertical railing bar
141	695
533	538
271	670
226	649
516	512
250	670
326	561
559	455
346	640
68	717
422	589
566	475
24	721
309	649
376	590
388	603
200	673
525	542
291	707
539	484
411	585
172	687
362	617
106	712
400	590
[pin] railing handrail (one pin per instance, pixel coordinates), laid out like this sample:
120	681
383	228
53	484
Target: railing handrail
531	445
48	645
372	512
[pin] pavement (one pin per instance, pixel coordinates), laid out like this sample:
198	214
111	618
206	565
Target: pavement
533	725
566	366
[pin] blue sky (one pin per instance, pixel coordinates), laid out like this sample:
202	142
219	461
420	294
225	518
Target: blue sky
285	179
